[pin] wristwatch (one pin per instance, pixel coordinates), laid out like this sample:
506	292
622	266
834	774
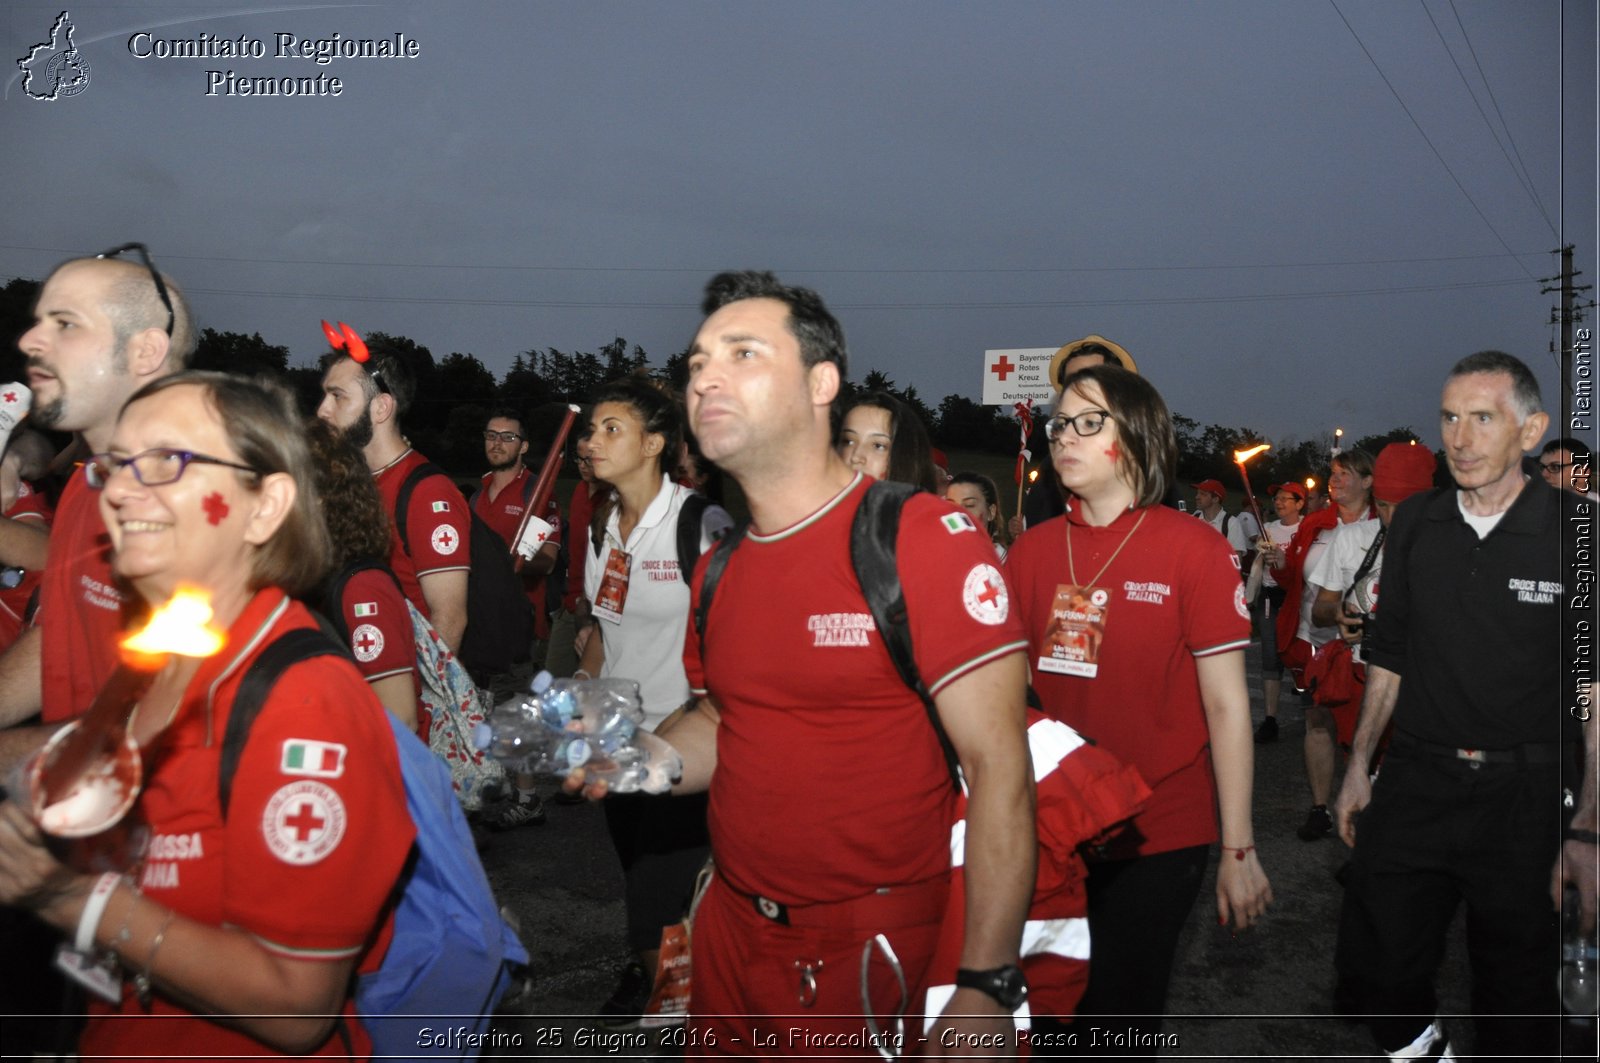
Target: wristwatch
1005	984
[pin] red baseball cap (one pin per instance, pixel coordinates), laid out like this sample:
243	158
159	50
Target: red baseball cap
1214	486
1402	469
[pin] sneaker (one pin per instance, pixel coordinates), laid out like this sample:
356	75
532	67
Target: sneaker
630	998
514	813
1268	731
1318	824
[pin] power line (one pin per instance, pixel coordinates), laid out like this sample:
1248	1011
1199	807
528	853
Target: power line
1423	133
706	271
577	304
1503	123
1522	179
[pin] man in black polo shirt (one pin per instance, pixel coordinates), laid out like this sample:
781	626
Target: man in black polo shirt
1477	598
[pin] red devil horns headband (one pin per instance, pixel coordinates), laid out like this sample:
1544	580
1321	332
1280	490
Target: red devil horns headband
344	338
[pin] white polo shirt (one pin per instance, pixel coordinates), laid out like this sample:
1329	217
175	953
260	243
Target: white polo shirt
647	644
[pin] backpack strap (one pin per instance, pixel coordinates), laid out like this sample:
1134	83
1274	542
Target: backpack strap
289	648
715	566
597	523
332	605
403	499
873	535
690	517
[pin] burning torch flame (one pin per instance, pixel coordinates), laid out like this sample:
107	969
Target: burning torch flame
1032	476
1311	483
1242	456
89	774
182	626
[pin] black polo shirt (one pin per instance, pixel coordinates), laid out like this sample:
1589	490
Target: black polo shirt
1480	630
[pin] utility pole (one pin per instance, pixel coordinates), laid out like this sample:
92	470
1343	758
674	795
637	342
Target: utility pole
1567	314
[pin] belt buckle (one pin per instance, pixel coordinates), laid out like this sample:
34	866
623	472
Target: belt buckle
1475	757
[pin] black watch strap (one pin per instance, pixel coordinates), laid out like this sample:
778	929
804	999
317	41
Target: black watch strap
1006	985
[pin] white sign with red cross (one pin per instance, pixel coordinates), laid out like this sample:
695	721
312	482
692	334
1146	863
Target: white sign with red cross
1014	376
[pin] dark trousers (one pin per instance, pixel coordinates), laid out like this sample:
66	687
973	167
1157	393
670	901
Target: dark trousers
662	843
1438	832
1137	910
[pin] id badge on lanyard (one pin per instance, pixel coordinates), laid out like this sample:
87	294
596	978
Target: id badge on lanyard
613	593
1075	631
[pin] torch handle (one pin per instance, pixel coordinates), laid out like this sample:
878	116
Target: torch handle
545	485
1250	497
99	729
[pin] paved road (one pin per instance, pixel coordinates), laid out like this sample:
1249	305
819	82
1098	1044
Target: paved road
1266	994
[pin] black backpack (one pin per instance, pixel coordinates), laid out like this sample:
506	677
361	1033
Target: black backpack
499	631
872	555
555	584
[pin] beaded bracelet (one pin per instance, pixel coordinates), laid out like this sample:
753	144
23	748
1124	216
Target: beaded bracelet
124	933
141	981
1238	852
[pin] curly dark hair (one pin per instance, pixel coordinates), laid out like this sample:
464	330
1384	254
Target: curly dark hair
357	522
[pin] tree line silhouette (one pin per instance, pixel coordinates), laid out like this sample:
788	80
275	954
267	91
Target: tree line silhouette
455	395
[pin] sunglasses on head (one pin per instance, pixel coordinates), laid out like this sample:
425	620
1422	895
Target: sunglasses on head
155	275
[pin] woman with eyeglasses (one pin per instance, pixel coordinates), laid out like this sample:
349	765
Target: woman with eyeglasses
1137	628
237	934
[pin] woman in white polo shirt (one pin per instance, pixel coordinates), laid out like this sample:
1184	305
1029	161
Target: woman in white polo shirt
640	592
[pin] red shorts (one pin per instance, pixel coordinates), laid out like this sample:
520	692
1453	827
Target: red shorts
751	993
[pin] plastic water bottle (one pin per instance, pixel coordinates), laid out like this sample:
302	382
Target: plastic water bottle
1580	987
594	724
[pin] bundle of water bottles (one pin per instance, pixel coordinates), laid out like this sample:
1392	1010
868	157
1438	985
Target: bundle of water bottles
593	724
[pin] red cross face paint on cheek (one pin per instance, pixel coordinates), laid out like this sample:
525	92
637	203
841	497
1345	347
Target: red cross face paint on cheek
216	509
1114	452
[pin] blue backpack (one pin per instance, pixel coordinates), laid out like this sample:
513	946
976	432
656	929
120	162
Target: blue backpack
451	958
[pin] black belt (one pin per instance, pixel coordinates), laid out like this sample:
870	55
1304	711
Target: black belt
889	907
1525	755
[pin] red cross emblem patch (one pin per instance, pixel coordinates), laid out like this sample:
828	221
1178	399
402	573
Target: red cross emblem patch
303	822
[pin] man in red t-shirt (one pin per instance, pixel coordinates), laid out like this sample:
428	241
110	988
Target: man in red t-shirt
366	402
502	499
103	328
798	696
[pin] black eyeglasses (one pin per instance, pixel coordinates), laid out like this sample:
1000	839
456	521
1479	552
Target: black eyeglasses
1087	423
491	436
155	275
1553	467
152	468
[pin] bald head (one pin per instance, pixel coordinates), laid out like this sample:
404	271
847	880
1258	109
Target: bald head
99	334
129	298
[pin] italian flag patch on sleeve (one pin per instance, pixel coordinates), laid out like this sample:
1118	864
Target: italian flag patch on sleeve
320	760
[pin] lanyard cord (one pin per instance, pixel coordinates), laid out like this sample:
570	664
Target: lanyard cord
1073	572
